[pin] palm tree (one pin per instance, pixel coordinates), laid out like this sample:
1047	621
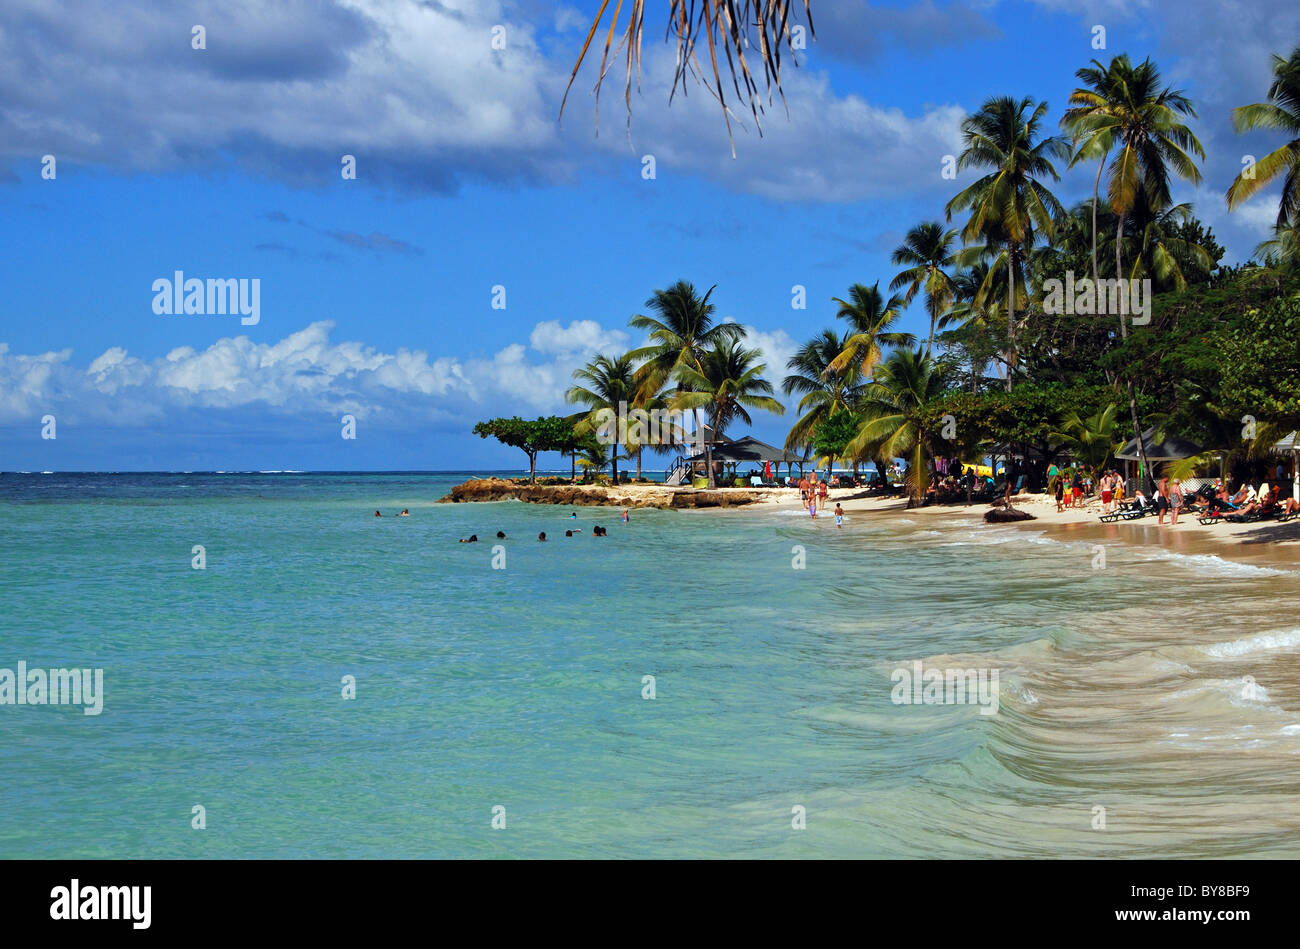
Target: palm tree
904	384
1281	112
927	248
681	331
1141	119
607	383
1092	440
728	382
870	317
1130	111
1092	137
1010	205
825	393
1281	252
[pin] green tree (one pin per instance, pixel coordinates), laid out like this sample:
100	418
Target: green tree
550	433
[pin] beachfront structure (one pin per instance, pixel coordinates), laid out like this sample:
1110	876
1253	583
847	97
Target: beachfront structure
1167	449
748	450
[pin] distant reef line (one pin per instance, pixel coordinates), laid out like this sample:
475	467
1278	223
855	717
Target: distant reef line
595	495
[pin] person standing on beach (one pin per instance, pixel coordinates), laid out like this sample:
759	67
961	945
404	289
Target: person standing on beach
1162	501
1175	502
803	490
822	491
1060	494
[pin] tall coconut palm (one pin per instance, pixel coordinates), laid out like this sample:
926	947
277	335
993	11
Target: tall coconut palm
903	385
1091	136
681	331
825	393
1281	252
604	384
870	317
728	383
1282	113
1142	120
1130	111
927	252
1010	206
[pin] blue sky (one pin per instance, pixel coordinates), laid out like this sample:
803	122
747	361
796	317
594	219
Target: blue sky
376	292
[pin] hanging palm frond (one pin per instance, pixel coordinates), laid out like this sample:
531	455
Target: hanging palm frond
729	27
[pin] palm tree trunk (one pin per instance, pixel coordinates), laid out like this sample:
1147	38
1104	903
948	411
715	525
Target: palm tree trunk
613	460
1096	187
573	465
1011	311
1123	334
638	463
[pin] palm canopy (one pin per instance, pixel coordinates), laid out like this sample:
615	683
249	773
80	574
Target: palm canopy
1281	113
927	253
681	331
1011	201
1010	206
1127	108
728	383
870	317
904	384
602	384
825	393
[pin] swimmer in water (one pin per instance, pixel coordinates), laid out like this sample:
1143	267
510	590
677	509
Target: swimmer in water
542	536
625	517
568	533
405	513
839	515
473	539
573	514
501	535
377	514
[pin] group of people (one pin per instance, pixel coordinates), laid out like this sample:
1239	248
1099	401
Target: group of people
473	538
1263	501
813	492
404	513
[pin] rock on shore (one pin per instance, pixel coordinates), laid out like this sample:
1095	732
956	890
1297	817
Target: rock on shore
580	495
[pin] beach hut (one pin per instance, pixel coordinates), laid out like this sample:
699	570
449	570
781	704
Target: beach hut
1289	446
1167	449
749	450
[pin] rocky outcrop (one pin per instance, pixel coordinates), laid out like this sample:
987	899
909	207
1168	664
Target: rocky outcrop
579	495
1007	515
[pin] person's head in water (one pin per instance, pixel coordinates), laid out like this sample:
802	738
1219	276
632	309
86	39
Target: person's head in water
377	514
405	512
573	514
568	533
542	536
501	535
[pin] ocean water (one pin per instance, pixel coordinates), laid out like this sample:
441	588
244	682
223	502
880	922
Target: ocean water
1147	708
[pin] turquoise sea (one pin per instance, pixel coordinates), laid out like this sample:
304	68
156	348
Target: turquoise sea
1161	688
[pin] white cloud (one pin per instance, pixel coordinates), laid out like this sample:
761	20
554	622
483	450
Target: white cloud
304	373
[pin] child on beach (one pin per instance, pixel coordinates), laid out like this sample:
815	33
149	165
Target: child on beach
839	515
